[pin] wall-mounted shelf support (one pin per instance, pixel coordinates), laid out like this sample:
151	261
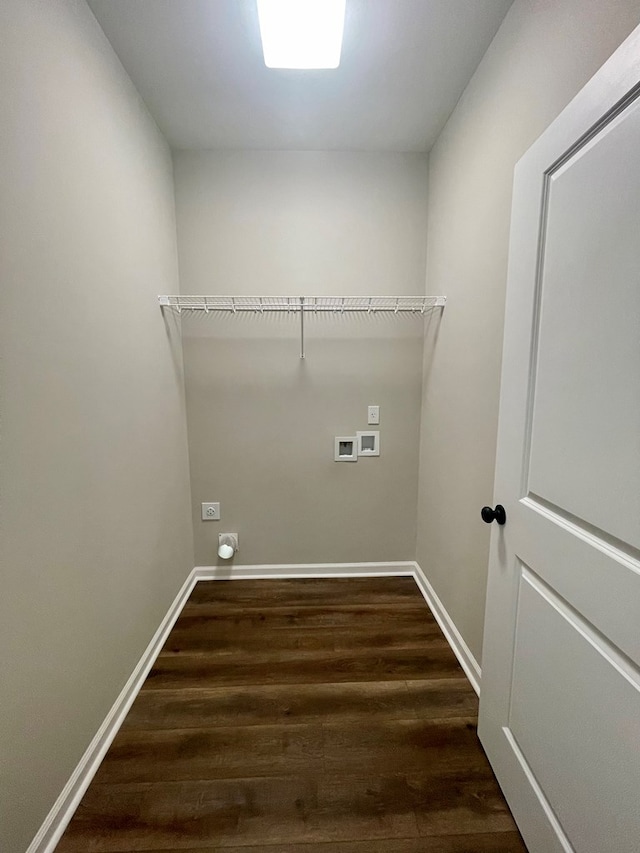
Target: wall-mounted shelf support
303	305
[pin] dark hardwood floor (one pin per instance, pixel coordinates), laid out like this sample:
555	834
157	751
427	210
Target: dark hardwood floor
299	716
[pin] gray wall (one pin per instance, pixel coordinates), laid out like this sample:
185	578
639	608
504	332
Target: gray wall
261	421
95	532
542	55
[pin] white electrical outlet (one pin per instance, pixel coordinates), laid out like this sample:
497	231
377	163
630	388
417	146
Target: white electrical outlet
373	415
211	512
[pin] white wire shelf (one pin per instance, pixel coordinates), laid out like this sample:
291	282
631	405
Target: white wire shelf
296	304
302	305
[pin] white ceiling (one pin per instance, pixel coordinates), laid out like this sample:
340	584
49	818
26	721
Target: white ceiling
198	65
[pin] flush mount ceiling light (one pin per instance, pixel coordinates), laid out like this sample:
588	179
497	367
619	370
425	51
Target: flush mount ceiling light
301	33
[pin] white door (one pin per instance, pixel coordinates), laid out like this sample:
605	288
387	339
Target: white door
560	700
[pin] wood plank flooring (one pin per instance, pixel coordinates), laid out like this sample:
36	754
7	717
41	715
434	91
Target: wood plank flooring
299	716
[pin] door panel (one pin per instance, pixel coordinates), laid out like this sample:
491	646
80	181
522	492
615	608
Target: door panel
560	700
579	735
585	449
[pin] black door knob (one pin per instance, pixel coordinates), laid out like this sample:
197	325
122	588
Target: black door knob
498	514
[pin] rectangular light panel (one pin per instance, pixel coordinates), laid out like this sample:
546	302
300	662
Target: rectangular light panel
301	33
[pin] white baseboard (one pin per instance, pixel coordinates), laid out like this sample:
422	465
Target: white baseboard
461	650
63	809
304	570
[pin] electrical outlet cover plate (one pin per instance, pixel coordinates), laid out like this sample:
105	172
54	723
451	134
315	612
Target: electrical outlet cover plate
368	443
373	415
211	511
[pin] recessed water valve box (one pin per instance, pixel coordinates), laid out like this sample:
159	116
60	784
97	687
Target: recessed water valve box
368	443
346	448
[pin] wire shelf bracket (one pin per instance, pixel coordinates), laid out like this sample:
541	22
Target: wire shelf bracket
302	305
